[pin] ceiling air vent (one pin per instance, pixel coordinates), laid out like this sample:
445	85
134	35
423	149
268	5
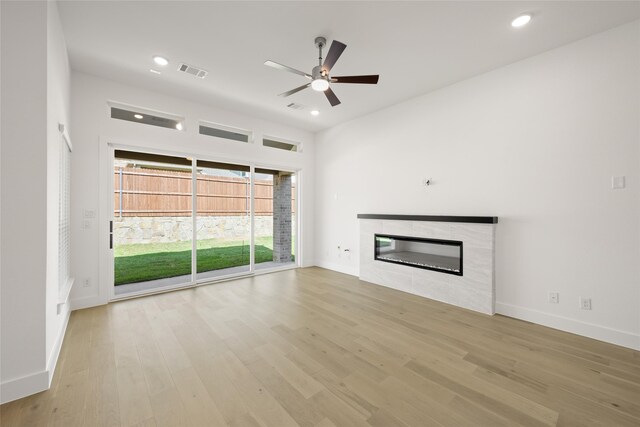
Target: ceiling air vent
189	69
295	106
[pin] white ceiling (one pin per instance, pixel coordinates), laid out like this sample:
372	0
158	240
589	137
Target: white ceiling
416	47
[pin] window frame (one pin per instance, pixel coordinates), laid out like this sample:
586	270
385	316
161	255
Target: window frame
298	145
146	111
225	128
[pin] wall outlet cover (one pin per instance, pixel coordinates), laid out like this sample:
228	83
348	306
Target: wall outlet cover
585	303
617	182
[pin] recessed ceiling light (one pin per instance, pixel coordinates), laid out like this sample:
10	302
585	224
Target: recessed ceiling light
521	21
155	71
138	116
179	126
314	112
160	60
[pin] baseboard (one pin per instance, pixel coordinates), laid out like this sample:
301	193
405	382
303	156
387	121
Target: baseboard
87	302
308	263
39	381
353	271
24	386
55	352
602	333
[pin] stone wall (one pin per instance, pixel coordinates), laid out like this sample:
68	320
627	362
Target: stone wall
130	230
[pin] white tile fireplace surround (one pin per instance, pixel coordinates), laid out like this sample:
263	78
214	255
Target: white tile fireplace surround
474	288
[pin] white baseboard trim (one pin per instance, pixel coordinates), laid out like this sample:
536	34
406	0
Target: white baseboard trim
39	381
353	271
309	263
22	387
87	302
602	333
55	352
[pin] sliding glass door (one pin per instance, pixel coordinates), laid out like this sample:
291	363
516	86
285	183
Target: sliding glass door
152	224
178	221
223	221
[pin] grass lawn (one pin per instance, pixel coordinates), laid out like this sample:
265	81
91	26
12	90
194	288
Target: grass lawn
142	262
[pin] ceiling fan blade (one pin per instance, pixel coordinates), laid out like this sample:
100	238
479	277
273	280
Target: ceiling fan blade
292	91
334	53
285	68
333	99
370	80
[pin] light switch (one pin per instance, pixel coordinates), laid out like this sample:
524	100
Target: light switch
89	213
617	182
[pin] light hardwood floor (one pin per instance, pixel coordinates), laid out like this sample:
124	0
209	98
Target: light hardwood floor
313	347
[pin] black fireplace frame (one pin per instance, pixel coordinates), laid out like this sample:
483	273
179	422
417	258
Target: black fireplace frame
457	243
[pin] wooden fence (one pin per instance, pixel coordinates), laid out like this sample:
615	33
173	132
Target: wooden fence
151	192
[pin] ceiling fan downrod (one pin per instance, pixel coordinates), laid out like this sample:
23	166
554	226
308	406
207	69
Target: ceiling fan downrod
320	43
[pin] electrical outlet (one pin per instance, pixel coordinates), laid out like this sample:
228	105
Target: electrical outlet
585	303
554	297
617	182
86	283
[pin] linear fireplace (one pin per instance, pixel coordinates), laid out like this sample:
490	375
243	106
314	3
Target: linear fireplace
384	238
431	254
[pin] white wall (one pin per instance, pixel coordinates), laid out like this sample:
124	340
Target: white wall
35	96
24	136
534	143
92	127
58	111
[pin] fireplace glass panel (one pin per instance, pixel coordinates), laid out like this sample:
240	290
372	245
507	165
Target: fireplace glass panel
431	254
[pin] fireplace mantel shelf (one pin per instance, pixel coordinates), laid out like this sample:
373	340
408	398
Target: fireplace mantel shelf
434	218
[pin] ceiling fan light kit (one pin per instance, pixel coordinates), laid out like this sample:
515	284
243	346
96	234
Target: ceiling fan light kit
319	84
320	79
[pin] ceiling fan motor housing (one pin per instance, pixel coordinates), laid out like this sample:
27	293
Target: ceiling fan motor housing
320	81
317	73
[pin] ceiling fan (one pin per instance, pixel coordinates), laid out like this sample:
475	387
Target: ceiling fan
320	79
